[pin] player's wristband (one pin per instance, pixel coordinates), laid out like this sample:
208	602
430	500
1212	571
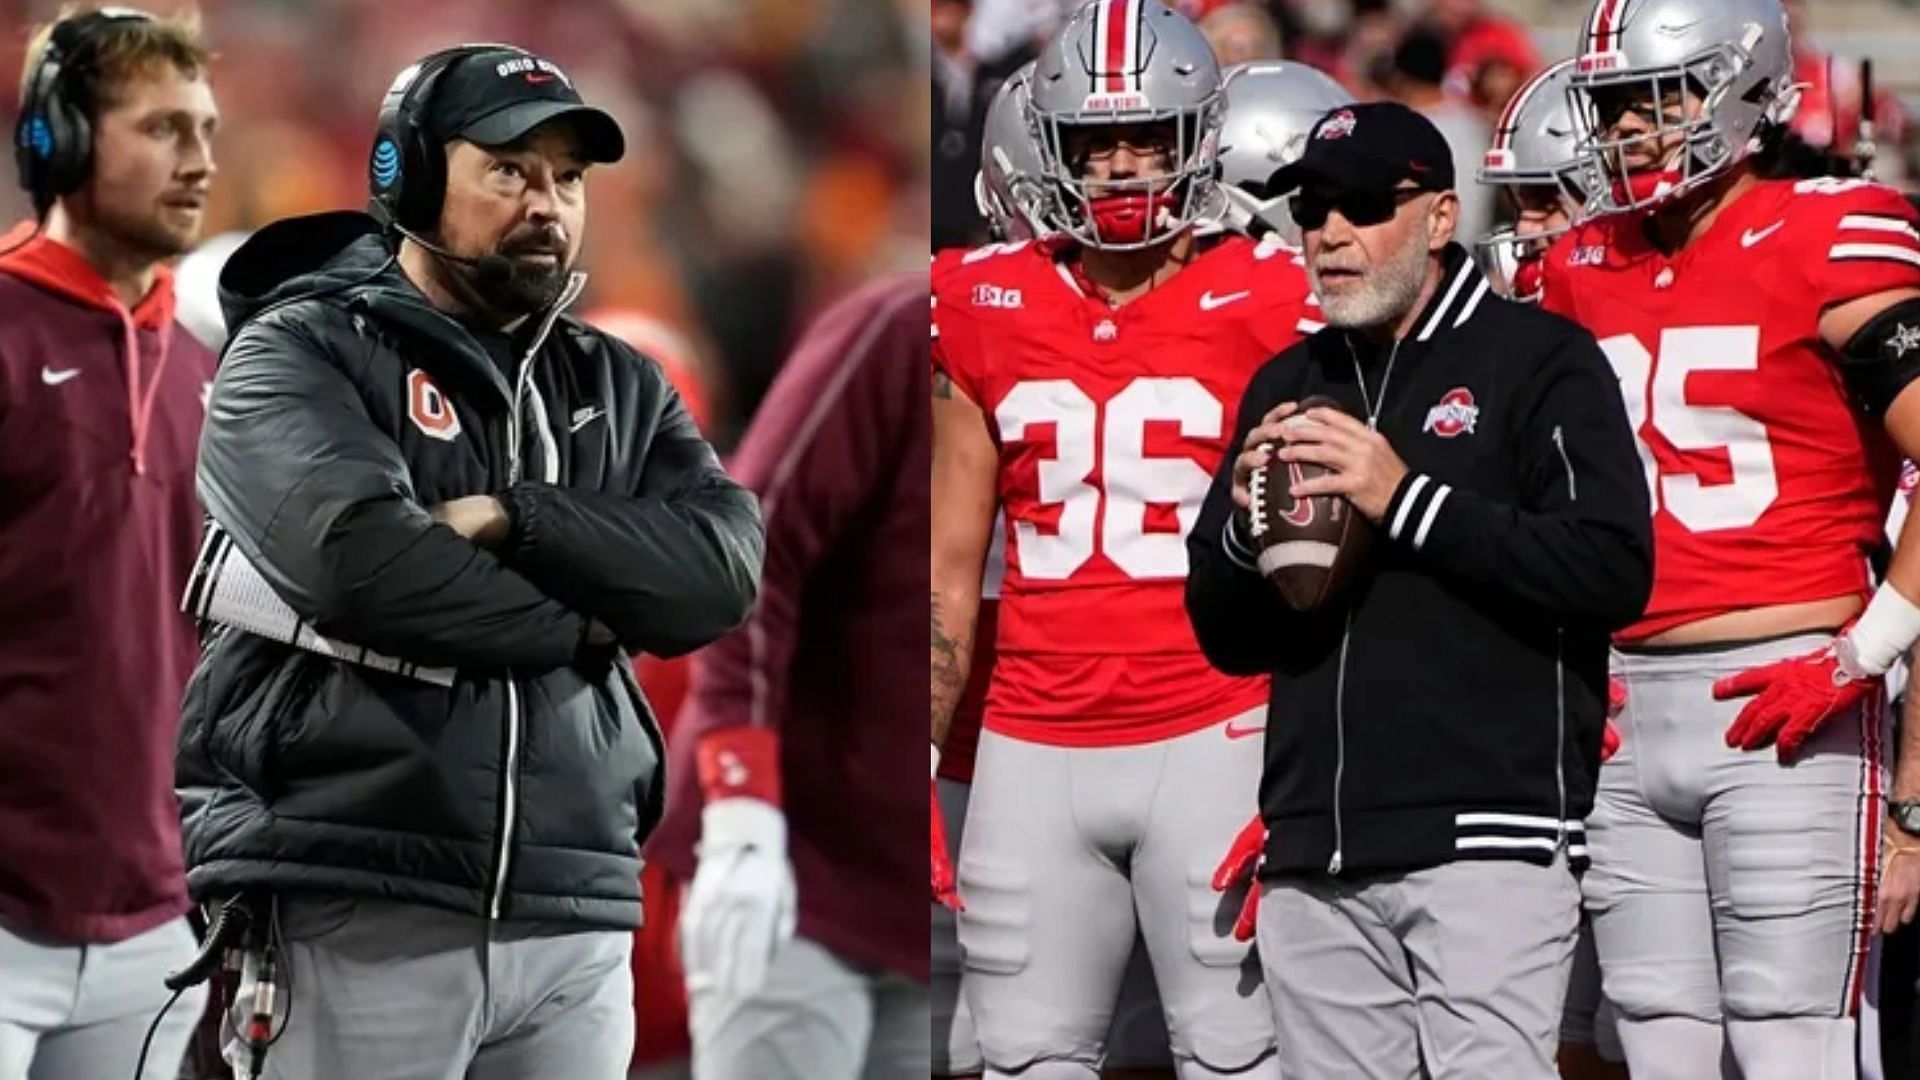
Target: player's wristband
741	761
936	761
1885	631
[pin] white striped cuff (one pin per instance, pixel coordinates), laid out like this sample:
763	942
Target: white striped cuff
1237	550
1415	507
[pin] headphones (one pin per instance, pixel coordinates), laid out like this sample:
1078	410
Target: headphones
53	139
407	170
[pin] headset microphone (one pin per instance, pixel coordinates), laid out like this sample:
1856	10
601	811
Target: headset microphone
492	269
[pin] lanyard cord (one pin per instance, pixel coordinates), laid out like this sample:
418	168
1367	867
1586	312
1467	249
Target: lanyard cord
1373	410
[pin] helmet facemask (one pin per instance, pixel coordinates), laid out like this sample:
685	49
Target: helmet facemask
1682	106
1516	254
1014	204
1133	212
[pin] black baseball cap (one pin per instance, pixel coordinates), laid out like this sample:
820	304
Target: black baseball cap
1370	147
493	97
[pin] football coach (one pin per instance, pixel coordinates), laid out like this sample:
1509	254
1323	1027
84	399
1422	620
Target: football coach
424	456
1434	730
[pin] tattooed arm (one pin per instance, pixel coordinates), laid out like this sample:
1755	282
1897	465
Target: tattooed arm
965	468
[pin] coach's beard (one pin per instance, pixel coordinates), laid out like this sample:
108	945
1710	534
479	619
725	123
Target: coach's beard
1384	295
535	284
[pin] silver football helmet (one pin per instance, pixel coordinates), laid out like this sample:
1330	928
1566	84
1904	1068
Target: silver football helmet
1009	188
1729	64
1536	148
1127	62
1271	106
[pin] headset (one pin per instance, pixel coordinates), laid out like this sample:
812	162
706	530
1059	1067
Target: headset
53	139
407	170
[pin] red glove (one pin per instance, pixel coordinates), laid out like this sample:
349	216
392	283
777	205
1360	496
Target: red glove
1616	704
944	890
1243	858
1796	696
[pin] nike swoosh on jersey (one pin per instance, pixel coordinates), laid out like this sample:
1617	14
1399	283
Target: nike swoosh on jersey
55	378
1234	732
583	417
1754	236
1209	302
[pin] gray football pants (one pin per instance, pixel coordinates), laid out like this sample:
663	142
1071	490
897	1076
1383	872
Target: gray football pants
391	991
1461	968
1731	895
1069	851
816	1018
79	1012
1588	1018
1137	1038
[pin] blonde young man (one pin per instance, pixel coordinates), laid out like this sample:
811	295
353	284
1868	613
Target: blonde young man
100	410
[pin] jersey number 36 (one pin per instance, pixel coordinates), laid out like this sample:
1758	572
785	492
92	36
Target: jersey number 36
1131	480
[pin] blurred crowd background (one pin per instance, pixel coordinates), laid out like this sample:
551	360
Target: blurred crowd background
1458	61
777	149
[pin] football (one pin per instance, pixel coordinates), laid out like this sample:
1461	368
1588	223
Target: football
1309	548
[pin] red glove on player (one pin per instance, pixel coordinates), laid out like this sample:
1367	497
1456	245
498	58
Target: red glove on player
1616	704
944	890
1243	858
1795	697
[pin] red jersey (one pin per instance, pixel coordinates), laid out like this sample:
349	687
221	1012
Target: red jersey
1768	486
1110	422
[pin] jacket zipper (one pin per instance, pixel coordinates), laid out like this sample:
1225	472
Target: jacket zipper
1560	676
1346	634
1560	444
524	378
1340	746
1560	734
510	800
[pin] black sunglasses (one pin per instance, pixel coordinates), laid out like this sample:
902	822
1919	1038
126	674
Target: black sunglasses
1360	208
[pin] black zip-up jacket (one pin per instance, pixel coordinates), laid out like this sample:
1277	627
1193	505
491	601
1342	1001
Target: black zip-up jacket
1450	705
524	789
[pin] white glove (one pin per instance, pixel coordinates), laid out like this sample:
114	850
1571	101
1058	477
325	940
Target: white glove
740	907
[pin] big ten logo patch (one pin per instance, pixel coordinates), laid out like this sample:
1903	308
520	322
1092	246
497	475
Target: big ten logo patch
996	296
429	409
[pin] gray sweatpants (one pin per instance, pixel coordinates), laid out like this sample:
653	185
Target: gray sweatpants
1462	968
390	991
79	1012
816	1018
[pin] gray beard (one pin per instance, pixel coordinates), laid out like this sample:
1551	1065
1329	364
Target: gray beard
1388	293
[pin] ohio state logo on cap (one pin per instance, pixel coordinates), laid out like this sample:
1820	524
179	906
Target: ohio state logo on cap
1338	126
1455	414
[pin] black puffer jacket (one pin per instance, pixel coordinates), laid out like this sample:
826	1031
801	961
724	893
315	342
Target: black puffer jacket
525	789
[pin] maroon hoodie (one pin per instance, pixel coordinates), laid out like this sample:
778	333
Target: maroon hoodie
839	454
100	412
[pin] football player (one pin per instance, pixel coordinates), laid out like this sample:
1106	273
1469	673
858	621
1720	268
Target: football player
1009	192
1766	334
1536	166
1083	386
